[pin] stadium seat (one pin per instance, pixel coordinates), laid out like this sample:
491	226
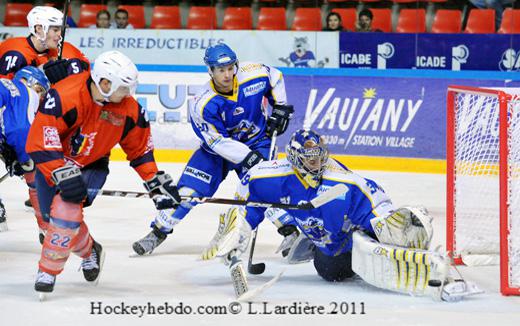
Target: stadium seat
447	21
237	18
166	17
481	21
135	15
307	19
411	21
348	17
272	19
16	14
201	17
510	22
382	19
87	14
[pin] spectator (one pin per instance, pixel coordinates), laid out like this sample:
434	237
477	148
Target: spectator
334	22
364	23
102	20
121	18
498	5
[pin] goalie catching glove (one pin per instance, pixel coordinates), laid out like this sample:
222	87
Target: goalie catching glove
162	191
408	227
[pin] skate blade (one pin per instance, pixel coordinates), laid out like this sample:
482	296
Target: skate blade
42	296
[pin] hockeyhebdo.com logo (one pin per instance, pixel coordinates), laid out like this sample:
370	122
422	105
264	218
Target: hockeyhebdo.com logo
510	60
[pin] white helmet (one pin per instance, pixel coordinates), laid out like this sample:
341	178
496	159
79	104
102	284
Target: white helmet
118	69
46	17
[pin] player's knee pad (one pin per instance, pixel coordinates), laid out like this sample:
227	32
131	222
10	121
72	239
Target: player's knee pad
333	268
66	211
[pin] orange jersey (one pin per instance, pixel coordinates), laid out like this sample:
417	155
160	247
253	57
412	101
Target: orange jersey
71	127
18	52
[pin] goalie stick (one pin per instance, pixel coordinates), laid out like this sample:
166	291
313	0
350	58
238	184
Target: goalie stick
320	200
259	268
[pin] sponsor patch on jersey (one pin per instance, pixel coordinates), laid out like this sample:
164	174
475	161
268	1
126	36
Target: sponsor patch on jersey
254	89
51	138
197	174
239	110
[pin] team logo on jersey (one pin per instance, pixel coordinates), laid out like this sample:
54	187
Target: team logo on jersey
315	230
197	174
113	118
51	138
254	89
82	144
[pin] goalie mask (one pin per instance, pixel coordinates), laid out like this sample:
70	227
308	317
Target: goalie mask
308	154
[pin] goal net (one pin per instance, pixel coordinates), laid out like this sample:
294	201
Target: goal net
483	180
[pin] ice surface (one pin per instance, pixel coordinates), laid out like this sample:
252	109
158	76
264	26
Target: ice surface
174	274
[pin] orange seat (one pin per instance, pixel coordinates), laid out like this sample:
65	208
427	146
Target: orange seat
481	21
16	14
382	19
202	18
135	15
87	14
307	19
510	22
411	21
348	17
447	21
166	17
237	18
272	19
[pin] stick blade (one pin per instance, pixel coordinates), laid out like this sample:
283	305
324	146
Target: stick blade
256	269
251	294
329	195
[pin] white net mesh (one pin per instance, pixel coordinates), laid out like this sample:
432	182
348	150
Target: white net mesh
477	189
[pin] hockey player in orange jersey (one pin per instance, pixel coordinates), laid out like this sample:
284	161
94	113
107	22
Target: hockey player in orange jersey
81	119
42	47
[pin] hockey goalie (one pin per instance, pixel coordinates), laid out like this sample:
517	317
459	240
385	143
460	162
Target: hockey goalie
360	232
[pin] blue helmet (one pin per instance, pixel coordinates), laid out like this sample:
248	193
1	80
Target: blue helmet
219	55
308	155
33	76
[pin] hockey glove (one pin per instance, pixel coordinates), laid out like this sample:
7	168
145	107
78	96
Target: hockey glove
70	183
56	70
162	191
251	159
279	119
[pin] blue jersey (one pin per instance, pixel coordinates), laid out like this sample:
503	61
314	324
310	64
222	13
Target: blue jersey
229	124
18	106
330	226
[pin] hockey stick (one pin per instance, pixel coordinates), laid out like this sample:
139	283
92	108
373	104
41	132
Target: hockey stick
320	200
4	177
259	268
63	28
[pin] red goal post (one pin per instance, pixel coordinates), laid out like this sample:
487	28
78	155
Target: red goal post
483	179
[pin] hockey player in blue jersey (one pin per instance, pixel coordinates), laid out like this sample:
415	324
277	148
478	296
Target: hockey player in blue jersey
19	101
230	118
360	232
